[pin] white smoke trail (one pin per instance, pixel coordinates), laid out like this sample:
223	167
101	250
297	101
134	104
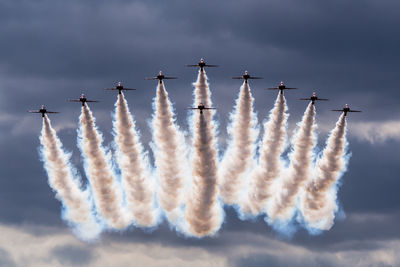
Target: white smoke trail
203	210
107	196
318	203
269	166
136	177
282	205
170	155
202	93
241	147
77	204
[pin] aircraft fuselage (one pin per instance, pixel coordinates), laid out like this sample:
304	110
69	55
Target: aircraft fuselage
83	100
313	98
42	111
201	107
160	78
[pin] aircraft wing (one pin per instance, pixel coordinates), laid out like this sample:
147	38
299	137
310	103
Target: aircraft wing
212	66
238	77
123	89
256	78
170	78
323	99
92	101
191	108
34	111
74	100
276	88
354	111
210	108
151	78
304	99
52	112
192	65
340	110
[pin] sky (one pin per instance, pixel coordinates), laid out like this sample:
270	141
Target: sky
347	51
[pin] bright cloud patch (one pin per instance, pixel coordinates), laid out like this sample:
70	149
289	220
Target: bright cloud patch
376	132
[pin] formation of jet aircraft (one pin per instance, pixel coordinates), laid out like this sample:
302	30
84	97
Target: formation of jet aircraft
201	64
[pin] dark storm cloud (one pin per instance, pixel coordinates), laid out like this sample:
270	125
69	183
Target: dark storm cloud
54	50
371	182
347	51
24	192
339	48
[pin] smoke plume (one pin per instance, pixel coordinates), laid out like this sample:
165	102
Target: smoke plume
170	155
203	210
202	93
318	204
107	196
269	166
136	178
239	155
190	177
283	203
76	203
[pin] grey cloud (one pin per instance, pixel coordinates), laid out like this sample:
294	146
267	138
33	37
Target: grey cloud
73	255
376	132
244	249
260	260
5	259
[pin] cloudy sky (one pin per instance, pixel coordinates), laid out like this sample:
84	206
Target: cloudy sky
347	51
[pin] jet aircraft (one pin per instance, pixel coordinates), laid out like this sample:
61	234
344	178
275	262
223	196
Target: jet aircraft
246	76
82	99
42	110
120	88
346	109
161	77
202	64
313	98
281	87
201	107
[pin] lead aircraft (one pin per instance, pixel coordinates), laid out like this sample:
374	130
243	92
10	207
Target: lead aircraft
202	64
